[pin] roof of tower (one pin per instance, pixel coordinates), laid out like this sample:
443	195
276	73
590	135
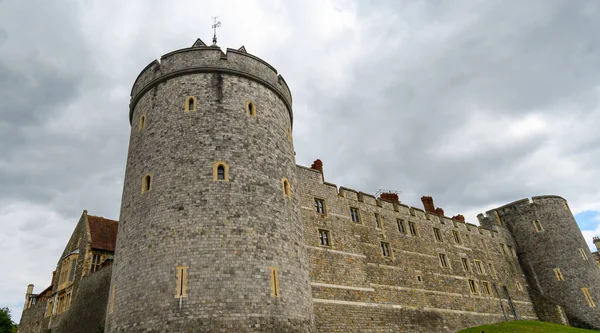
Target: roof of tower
103	232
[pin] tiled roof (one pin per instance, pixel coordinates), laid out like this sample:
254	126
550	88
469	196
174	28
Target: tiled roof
103	232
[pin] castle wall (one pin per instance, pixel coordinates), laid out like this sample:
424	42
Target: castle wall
228	235
356	289
558	244
33	319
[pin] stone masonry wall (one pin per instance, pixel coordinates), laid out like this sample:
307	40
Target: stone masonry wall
33	319
356	289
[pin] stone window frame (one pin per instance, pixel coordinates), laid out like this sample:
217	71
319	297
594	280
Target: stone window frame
142	122
419	278
465	264
558	274
68	264
473	287
355	215
386	250
437	235
95	264
479	267
583	254
519	286
322	207
537	226
216	166
324	237
444	260
250	108
186	106
147	182
401	226
378	221
289	134
588	297
492	270
275	287
485	288
287	187
181	286
111	303
412	227
457	238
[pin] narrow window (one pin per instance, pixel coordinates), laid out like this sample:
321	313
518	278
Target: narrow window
484	246
95	263
289	134
286	187
588	297
385	249
465	264
443	260
511	251
72	269
111	305
456	236
220	171
274	282
583	255
401	226
419	278
537	225
438	234
181	286
324	237
319	206
377	221
486	288
146	183
413	228
479	267
190	104
142	123
354	215
503	249
492	271
519	286
473	286
250	109
558	274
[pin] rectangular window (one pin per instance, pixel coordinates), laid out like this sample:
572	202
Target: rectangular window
558	274
413	228
479	267
456	236
465	264
473	286
511	251
319	206
485	286
438	234
274	282
583	254
324	237
588	297
111	305
182	276
72	269
377	221
443	260
492	271
401	226
537	226
484	246
385	249
519	286
95	262
354	215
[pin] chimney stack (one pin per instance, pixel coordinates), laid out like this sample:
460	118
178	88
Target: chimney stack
389	196
428	204
28	296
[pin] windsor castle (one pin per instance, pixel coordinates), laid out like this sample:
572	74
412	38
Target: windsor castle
221	231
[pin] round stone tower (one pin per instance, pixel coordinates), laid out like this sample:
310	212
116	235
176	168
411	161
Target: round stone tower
555	257
210	235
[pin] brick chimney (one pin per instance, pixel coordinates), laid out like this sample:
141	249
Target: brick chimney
428	204
458	217
389	196
597	243
439	211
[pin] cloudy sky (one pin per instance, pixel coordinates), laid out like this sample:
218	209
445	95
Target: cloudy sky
476	103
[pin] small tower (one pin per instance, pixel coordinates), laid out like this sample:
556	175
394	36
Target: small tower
210	238
554	255
28	295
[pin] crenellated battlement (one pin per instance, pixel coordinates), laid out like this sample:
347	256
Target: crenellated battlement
209	59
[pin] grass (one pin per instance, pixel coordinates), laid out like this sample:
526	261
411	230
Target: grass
524	327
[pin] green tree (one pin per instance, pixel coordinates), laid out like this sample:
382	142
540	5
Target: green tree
6	324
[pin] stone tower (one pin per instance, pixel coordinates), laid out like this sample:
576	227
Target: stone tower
210	238
554	255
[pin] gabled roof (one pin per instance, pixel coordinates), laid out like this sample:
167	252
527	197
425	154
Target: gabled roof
103	232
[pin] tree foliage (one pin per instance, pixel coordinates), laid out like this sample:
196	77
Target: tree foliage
6	323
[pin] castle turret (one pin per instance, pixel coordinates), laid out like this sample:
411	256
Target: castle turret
210	236
554	255
28	295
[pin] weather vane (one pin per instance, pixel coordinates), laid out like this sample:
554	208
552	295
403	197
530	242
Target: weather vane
215	25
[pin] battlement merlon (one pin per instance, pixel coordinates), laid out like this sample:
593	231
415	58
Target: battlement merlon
209	59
